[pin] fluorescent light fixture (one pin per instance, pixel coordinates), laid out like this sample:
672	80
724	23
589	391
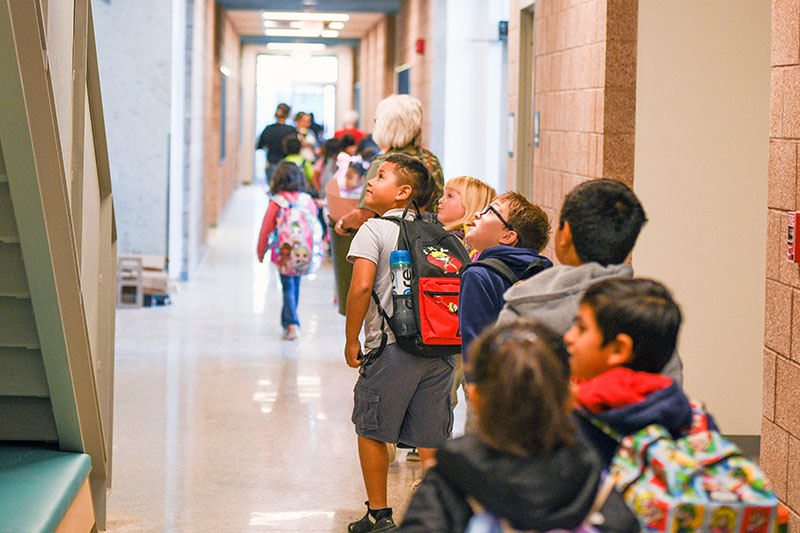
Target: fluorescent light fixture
299	15
336	25
282	32
329	34
270	24
311	47
225	70
296	24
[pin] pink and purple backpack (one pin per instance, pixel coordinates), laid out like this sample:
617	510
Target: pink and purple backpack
296	241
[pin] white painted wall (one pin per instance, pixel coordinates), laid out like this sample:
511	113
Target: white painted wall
475	92
134	55
702	112
175	248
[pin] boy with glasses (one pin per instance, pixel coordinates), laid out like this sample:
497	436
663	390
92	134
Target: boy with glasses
508	235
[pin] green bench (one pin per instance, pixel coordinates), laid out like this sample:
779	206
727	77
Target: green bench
44	490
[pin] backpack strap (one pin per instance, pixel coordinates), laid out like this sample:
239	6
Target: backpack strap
384	335
506	272
498	266
534	267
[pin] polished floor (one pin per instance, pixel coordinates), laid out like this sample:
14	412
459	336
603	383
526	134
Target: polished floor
219	425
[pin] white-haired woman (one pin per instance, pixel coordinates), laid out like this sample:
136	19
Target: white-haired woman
398	128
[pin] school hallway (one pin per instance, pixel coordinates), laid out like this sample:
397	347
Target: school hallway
222	426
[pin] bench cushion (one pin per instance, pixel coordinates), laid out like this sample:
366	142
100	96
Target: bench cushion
38	485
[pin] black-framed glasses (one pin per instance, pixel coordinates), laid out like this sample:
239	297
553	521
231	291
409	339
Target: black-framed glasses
491	208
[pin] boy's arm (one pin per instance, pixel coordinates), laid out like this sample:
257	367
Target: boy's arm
357	304
478	306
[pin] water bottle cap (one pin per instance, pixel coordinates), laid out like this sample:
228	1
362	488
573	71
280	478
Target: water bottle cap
399	257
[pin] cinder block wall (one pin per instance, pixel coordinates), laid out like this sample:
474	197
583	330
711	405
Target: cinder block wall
585	92
780	437
222	50
375	68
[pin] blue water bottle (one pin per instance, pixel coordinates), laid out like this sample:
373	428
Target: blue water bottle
404	324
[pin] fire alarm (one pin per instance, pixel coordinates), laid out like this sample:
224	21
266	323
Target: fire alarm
792	242
420	46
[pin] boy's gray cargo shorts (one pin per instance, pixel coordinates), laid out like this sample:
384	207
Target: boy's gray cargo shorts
404	399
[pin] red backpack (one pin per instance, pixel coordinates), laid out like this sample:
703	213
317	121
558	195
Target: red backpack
437	257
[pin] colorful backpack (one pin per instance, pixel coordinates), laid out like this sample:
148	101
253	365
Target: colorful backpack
699	482
436	260
296	241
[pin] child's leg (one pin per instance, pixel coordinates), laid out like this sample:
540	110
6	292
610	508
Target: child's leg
291	291
374	459
427	456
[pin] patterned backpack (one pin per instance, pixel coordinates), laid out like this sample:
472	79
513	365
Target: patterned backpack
698	482
296	241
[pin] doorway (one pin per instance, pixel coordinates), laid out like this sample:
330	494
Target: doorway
527	126
306	82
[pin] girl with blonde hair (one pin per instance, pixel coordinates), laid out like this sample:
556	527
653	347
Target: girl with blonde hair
463	197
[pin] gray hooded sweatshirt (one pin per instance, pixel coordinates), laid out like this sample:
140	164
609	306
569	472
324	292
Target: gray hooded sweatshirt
553	297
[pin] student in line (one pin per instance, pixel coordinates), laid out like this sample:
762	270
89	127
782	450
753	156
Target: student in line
524	467
400	398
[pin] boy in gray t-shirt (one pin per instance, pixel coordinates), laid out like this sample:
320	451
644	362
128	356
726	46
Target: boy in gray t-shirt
399	397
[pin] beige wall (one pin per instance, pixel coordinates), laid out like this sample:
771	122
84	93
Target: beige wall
701	164
780	451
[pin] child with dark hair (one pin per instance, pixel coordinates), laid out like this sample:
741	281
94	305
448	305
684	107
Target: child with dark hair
400	397
292	146
290	184
598	227
524	465
624	334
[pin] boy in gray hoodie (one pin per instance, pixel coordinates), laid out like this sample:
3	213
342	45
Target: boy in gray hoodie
599	224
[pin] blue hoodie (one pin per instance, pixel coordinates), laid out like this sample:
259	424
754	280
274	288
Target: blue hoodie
481	297
665	405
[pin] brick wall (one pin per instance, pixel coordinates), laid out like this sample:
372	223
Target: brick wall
585	92
780	437
222	50
376	68
390	44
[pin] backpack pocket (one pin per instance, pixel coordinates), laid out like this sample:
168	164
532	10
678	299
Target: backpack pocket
438	311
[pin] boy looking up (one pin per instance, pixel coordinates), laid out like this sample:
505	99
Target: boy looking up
512	230
399	397
624	333
598	227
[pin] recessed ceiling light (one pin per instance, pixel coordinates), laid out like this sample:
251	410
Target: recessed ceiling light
299	15
296	46
329	34
336	25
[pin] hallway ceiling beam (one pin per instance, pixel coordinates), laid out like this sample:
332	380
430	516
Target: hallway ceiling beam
328	6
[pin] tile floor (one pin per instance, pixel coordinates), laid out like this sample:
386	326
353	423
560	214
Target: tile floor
221	426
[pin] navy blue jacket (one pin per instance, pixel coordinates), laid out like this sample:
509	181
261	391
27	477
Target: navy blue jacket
481	297
668	407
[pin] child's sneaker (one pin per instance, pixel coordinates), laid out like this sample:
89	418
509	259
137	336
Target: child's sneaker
290	333
375	520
